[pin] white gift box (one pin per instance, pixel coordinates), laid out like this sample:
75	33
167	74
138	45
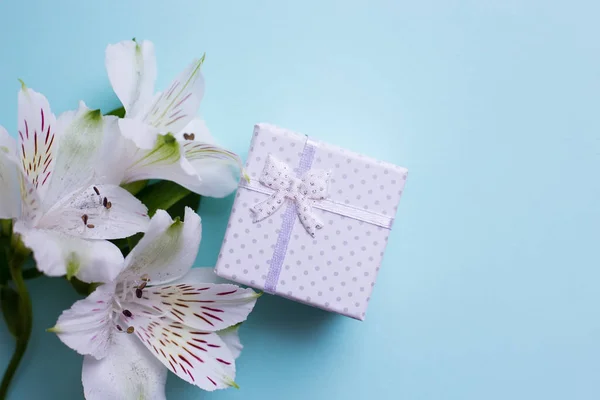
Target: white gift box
311	222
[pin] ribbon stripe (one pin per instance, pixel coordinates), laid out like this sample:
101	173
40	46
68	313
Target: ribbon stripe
287	225
333	207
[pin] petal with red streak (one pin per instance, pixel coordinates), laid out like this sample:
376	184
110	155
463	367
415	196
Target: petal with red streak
208	307
198	357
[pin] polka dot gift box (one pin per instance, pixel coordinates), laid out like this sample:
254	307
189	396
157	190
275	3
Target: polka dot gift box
311	221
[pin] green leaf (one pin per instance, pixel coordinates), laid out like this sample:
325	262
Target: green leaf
135	187
122	245
17	313
4	267
192	201
4	272
5	239
83	288
162	196
10	310
133	240
117	112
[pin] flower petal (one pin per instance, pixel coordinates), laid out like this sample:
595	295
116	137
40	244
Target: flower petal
164	162
19	197
139	132
87	326
10	201
131	68
206	306
129	371
98	212
200	132
31	205
200	275
57	254
115	154
80	139
7	143
231	338
177	105
200	358
167	250
218	169
37	141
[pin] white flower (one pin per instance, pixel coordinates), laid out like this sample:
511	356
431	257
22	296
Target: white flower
47	186
161	138
170	308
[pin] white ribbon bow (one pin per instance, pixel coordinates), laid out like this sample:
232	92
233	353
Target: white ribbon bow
314	185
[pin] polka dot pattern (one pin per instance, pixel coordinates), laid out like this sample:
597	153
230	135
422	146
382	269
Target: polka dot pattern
336	270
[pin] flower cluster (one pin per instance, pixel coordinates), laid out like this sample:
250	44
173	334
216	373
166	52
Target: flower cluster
99	199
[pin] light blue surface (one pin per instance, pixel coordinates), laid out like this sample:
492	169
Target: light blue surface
490	285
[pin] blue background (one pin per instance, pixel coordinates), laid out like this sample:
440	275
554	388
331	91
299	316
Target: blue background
490	285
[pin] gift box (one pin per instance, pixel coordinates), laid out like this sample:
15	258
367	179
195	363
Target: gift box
310	221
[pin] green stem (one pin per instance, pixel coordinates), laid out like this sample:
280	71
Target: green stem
26	314
5	227
83	288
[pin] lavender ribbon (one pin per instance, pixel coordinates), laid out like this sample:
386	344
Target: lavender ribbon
288	220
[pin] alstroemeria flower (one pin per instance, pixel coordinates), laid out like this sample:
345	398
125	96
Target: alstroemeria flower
162	139
179	317
47	186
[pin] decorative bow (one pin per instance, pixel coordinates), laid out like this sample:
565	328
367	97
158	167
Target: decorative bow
303	191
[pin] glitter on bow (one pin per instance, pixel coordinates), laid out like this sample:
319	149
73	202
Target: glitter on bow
304	191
